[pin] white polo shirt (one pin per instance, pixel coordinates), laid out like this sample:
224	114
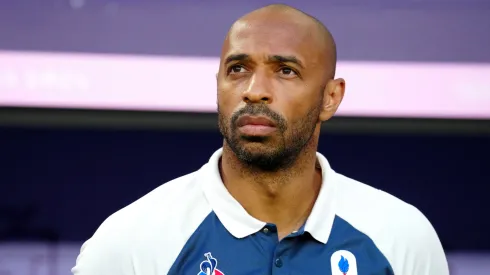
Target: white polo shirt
192	225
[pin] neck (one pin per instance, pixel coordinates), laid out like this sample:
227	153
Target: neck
284	198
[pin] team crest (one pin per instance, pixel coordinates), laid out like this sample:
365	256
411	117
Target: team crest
210	266
343	262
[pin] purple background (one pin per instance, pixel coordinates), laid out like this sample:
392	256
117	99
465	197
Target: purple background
408	30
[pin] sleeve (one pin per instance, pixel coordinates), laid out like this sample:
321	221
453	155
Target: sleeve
105	253
424	254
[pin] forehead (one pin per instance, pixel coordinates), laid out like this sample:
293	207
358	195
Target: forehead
271	36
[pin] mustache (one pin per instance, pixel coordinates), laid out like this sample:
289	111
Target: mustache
259	110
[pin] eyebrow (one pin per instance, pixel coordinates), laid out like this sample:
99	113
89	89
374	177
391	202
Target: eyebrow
286	59
272	58
237	57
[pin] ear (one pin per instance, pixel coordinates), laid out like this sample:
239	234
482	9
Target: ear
333	95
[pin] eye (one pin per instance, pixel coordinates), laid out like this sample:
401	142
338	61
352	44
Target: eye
235	69
287	71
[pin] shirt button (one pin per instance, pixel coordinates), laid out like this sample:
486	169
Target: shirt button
278	262
266	230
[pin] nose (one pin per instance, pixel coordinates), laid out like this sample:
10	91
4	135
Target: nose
258	90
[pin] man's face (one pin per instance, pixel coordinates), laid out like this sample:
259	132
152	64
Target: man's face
270	91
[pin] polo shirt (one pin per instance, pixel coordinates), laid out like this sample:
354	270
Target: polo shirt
193	226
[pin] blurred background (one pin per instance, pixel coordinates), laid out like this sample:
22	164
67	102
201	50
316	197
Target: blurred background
102	101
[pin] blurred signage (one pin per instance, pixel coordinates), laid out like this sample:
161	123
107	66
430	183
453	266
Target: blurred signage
124	82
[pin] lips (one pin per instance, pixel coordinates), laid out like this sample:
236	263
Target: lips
255	126
255	121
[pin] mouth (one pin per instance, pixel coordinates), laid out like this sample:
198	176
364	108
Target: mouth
255	126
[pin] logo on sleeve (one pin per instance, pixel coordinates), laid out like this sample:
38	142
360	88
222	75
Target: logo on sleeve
209	266
343	262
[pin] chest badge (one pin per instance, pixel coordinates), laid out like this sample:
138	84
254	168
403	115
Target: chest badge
343	262
210	266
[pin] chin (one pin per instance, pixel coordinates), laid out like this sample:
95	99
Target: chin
257	150
254	148
262	155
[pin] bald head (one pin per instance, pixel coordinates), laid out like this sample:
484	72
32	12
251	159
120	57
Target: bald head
283	14
278	64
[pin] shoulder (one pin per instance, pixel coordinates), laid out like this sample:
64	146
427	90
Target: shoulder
167	202
165	217
400	231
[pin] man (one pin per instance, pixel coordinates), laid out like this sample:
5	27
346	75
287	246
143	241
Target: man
267	202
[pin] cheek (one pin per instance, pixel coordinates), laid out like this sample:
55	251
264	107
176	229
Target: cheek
228	98
223	95
225	105
295	105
